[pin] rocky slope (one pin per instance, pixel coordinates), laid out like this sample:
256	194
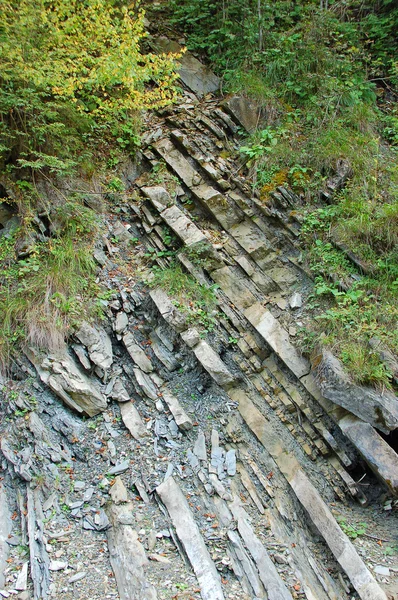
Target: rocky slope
177	452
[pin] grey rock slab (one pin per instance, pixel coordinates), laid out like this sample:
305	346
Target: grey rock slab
119	468
190	537
278	338
245	111
5	530
251	238
219	487
82	355
127	555
168	311
230	462
213	364
379	409
296	300
22	580
119	392
118	491
191	337
132	420
121	322
182	226
64	377
381	458
98	344
234	286
159	197
137	353
274	585
382	570
199	448
162	352
196	76
146	384
192	459
180	416
57	565
320	515
77	577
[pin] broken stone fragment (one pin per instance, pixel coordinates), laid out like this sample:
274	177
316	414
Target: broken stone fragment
200	446
146	384
159	197
245	111
121	322
118	492
132	420
230	462
296	301
168	311
213	364
194	74
98	344
137	353
379	409
180	416
63	376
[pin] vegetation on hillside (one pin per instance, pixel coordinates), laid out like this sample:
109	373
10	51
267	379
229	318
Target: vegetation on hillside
73	80
326	74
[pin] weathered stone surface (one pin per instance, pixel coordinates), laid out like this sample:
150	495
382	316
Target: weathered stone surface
376	452
132	420
183	227
168	311
196	76
98	344
276	589
251	238
121	322
119	392
63	376
118	492
378	409
5	529
159	197
213	364
146	384
320	515
199	448
234	287
179	414
269	328
137	353
246	112
162	352
127	555
385	355
190	537
296	300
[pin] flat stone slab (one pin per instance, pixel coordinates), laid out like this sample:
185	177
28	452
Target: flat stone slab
269	576
137	353
251	238
343	550
378	409
234	287
98	344
180	416
196	76
64	377
167	309
245	111
376	452
190	537
183	227
278	338
127	554
132	420
213	364
159	197
146	384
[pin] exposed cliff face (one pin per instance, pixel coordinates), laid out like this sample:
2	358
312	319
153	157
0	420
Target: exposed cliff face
213	465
